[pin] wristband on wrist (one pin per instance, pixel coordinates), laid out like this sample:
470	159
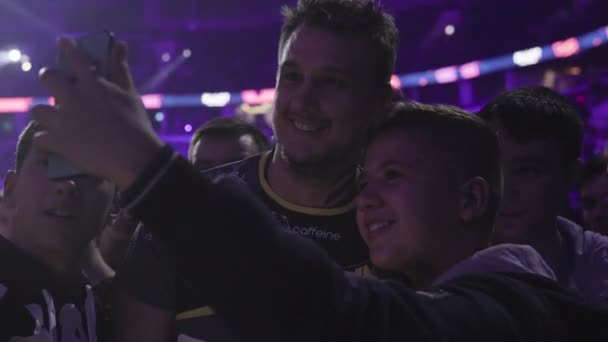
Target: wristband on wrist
149	176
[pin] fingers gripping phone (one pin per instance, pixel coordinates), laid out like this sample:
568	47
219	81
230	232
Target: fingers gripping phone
97	47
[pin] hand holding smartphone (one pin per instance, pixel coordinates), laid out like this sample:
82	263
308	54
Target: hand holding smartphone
98	47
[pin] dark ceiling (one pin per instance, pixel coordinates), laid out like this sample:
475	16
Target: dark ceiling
234	41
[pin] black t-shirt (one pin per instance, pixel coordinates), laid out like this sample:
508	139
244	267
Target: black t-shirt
149	276
34	301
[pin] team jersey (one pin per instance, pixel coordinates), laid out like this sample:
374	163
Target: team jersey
150	277
335	229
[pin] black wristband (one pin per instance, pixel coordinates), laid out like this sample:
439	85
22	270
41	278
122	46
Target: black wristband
164	157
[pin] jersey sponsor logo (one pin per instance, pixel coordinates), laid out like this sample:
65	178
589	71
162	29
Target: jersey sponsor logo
313	232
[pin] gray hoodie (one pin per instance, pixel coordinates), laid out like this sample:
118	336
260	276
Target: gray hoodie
583	266
508	258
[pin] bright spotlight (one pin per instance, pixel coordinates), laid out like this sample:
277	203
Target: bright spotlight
14	55
449	30
26	66
187	53
159	116
165	57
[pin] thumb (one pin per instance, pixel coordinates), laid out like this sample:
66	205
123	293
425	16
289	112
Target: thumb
119	67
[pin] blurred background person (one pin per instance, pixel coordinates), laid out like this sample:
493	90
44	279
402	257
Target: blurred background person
225	140
541	135
594	193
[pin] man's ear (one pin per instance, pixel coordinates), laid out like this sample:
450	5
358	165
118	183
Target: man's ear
474	199
384	106
10	182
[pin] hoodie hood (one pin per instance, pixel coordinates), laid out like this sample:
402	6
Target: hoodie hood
503	258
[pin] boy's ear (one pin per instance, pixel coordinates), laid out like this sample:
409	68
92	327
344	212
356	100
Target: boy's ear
474	199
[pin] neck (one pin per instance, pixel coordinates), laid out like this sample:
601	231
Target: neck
94	267
66	261
319	186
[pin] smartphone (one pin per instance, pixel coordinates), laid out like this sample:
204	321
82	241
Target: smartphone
98	47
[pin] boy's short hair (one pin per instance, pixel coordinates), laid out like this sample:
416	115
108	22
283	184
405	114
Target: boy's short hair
464	139
364	17
532	113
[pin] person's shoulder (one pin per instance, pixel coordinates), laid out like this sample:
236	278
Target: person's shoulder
508	249
503	285
590	252
502	258
586	242
530	301
524	256
595	241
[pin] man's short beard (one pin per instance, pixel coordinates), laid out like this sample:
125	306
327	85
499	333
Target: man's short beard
304	167
317	167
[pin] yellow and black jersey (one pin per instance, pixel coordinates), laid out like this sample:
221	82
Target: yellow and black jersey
334	229
150	276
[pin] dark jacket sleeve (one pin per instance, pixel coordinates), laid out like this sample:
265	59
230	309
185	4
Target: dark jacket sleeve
146	273
270	285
